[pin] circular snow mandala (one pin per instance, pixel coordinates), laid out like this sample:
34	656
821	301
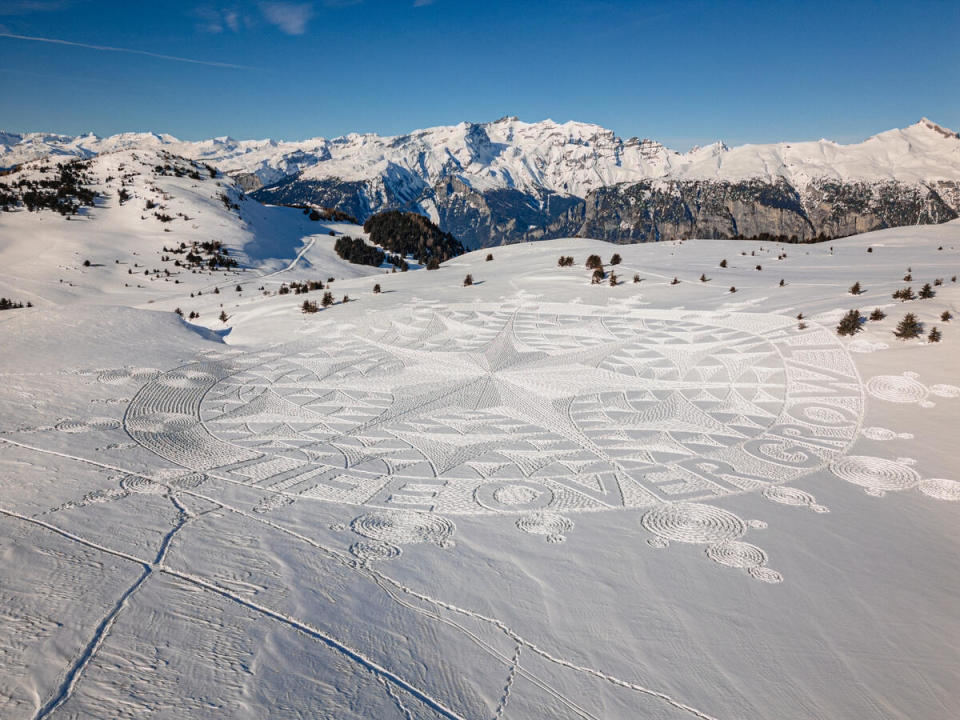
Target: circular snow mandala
492	409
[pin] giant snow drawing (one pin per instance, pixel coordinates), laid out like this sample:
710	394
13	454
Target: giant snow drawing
485	409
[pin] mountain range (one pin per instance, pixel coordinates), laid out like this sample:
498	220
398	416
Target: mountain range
511	181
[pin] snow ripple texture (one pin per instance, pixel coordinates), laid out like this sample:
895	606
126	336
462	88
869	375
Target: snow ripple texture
78	426
553	525
693	523
403	527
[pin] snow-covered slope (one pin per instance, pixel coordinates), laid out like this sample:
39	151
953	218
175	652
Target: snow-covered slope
683	497
152	209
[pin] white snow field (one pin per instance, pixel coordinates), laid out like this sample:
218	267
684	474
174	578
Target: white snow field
528	498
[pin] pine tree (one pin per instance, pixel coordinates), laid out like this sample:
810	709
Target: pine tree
327	299
223	316
759	267
613	279
433	264
594	262
733	289
489	257
926	292
675	281
945	316
703	277
597	276
723	263
308	307
855	289
468	280
934	335
908	277
909	327
376	288
877	314
850	323
782	283
615	259
239	288
636	278
346	299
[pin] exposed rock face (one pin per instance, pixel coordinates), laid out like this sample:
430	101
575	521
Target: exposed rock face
657	210
511	181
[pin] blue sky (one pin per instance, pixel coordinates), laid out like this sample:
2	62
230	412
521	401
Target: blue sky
679	72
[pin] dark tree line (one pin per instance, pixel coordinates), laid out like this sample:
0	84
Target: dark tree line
407	233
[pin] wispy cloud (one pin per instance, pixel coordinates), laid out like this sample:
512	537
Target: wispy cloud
26	7
216	20
291	18
107	48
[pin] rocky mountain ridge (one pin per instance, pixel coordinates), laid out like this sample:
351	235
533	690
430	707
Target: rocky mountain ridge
511	181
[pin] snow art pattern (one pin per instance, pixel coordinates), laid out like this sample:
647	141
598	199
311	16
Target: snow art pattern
483	410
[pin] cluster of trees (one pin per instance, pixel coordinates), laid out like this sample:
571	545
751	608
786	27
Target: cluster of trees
212	253
407	233
356	251
565	261
903	294
64	193
11	304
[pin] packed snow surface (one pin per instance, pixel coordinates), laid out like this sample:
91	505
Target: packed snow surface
530	497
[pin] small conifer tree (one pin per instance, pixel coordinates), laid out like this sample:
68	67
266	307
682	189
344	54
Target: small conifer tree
327	299
636	278
926	292
703	277
468	280
723	263
223	316
850	323
594	262
934	335
615	259
597	277
489	257
855	289
376	289
613	279
909	327
733	289
675	281
945	316
877	314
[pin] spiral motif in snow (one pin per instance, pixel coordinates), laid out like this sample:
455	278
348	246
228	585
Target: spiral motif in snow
737	554
402	527
941	489
367	550
693	523
553	525
875	474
